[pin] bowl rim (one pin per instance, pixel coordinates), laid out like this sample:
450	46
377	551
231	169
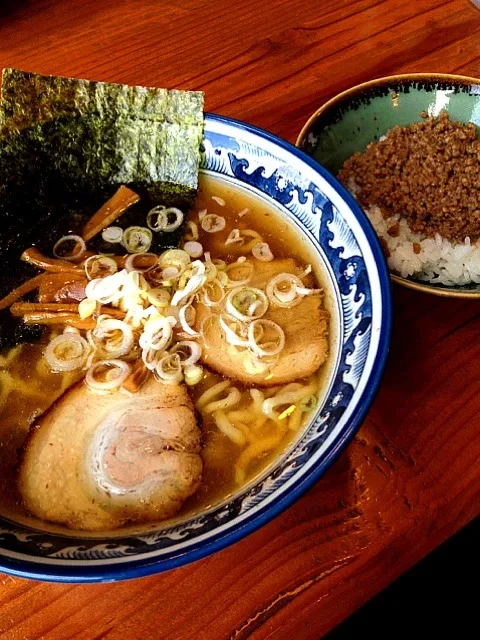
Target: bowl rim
371	84
144	567
445	292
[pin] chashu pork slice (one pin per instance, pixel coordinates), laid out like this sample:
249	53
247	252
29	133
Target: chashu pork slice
306	334
97	461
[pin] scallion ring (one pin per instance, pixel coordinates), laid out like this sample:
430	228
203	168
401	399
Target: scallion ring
262	329
67	352
113	338
235	331
234	237
261	251
212	293
246	303
191	231
211	223
99	267
193	248
286	290
185	322
162	219
169	369
112	235
188	351
137	239
78	249
107	375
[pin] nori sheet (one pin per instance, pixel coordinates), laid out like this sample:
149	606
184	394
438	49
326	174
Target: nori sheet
67	145
30	97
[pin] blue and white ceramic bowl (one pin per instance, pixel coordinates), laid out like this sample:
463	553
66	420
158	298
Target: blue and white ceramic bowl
347	246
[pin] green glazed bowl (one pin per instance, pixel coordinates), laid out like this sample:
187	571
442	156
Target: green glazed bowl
351	120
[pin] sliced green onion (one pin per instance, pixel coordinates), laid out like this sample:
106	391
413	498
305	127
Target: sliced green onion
235	331
113	338
287	412
253	365
193	374
262	252
287	290
99	267
158	297
107	375
194	249
191	231
188	351
212	293
86	308
67	352
137	239
308	404
271	345
79	248
234	237
162	219
173	263
211	223
246	303
169	369
113	235
187	323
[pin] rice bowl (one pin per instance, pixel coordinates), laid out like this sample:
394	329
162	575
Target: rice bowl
422	258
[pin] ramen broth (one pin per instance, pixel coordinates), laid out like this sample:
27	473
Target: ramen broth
28	387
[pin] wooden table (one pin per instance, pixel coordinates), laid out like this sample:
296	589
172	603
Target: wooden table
411	478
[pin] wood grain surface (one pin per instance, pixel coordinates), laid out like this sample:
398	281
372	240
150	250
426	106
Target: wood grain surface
411	478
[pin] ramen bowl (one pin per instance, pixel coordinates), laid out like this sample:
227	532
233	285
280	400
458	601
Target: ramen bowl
346	249
348	122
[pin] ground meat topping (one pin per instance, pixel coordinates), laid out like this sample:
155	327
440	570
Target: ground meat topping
428	172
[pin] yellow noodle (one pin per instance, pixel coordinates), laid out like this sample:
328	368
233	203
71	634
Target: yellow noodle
42	368
271	391
292	386
253	451
6	361
234	396
239	475
27	389
242	415
227	428
258	397
295	420
241	426
288	395
260	422
211	393
6	386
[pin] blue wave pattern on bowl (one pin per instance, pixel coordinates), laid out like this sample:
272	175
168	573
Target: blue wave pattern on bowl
256	160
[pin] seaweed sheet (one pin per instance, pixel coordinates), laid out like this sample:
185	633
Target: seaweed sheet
30	97
67	145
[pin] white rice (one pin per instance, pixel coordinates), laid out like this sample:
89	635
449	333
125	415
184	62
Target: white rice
439	260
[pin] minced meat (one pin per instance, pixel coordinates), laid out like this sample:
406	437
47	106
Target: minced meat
428	172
